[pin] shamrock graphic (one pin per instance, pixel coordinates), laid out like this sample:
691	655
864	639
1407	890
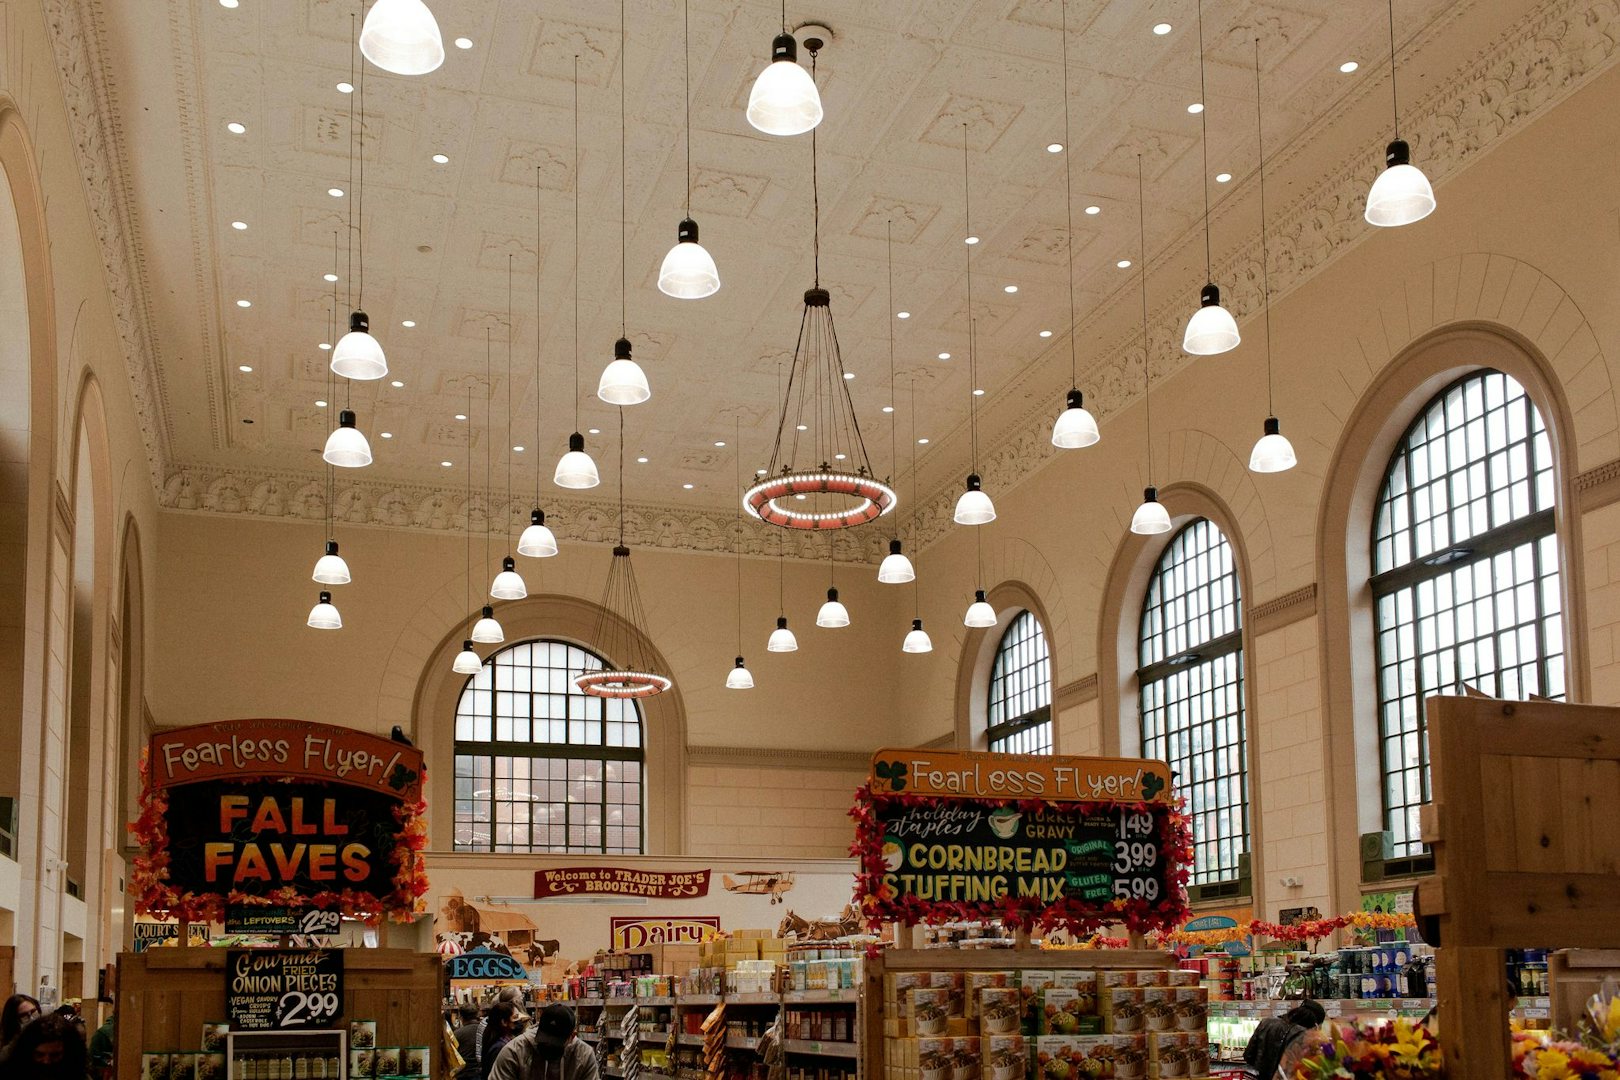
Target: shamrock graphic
892	771
401	778
1152	784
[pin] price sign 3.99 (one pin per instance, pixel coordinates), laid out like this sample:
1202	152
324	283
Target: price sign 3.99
283	989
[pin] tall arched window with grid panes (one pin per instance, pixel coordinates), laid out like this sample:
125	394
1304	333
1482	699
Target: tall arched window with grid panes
542	767
1018	719
1190	682
1465	574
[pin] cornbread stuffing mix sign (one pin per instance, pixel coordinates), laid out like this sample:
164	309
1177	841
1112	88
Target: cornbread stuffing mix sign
1074	842
279	813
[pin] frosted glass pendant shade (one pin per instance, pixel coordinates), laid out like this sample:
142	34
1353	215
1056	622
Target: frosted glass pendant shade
1075	427
576	469
537	541
323	616
346	447
917	639
974	507
896	568
508	584
1273	453
1151	518
782	639
979	613
784	100
1211	330
623	382
688	272
358	355
330	569
1401	194
467	662
486	631
402	36
739	678
832	614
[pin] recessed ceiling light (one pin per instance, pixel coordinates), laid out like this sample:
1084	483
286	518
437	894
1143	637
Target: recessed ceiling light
329	276
922	442
1054	148
244	367
326	346
686	487
235	128
1046	333
1124	264
396	384
849	374
720	443
1009	288
801	496
463	43
803	427
840	457
345	88
441	159
517	449
641	460
1161	28
978	393
944	356
971	240
902	314
244	303
319	404
335	192
408	323
447	464
1093	209
229	3
387	434
1348	66
888	408
461	416
759	472
1223	177
594	430
238	225
1196	107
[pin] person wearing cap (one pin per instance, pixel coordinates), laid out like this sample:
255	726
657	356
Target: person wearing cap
548	1050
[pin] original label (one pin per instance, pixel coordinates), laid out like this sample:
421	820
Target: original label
283	989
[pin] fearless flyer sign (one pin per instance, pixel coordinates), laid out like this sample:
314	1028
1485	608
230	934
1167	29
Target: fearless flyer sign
964	775
619	881
265	749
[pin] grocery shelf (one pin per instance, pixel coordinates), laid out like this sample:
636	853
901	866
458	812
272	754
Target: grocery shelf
689	1040
739	1042
842	996
698	999
585	1002
824	1049
753	999
654	1001
590	1036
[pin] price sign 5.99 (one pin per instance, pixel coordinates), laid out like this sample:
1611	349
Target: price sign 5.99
283	989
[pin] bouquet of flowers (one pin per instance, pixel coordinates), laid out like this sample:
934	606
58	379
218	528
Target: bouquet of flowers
1389	1051
1595	1055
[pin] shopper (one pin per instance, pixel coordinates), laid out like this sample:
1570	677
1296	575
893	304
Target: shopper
103	1049
18	1011
505	1023
1281	1042
466	1036
506	993
547	1051
50	1048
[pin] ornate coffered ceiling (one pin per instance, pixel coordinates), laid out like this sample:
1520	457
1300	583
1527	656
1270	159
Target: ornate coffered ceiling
152	97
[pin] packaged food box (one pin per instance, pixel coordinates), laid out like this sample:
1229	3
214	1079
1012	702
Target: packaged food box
213	1036
387	1061
211	1065
1060	1012
1182	977
1174	1054
413	1061
155	1066
1107	979
1086	983
183	1066
1153	977
949	1059
362	1034
1123	1009
362	1063
1192	1009
1130	1056
1158	1008
1001	1010
929	1012
1006	1057
976	981
1091	1057
1030	985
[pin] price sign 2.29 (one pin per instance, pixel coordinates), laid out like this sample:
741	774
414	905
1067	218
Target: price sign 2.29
283	989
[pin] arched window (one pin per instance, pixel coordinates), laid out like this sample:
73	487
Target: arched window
541	766
1019	717
1465	574
1191	689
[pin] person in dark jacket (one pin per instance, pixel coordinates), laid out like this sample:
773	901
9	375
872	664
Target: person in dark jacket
547	1051
50	1048
467	1041
504	1023
1279	1043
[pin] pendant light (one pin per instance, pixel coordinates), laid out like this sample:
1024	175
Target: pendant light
1211	330
537	541
467	661
973	506
575	469
357	355
1273	453
402	36
323	616
782	639
688	272
1401	194
833	614
330	569
621	625
1074	427
979	613
739	677
896	569
917	639
346	447
486	630
623	382
784	100
508	584
831	457
1150	518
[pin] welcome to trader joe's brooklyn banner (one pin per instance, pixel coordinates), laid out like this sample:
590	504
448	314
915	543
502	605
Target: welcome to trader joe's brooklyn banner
1074	842
249	814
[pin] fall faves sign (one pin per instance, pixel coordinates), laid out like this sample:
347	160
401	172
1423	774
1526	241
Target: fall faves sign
279	812
619	881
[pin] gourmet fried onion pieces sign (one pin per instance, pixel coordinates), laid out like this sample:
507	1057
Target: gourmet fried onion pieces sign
1079	843
279	812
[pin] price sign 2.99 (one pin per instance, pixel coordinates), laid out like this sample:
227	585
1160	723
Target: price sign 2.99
283	989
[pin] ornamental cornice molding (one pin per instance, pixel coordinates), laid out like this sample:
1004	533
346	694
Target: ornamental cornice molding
92	120
425	508
1530	68
756	758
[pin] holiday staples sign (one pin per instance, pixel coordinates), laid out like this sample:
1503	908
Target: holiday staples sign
619	881
638	933
247	749
969	775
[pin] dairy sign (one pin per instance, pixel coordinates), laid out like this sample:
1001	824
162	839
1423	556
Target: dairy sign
281	813
638	932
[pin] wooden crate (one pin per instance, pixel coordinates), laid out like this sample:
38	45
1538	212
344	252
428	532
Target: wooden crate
165	996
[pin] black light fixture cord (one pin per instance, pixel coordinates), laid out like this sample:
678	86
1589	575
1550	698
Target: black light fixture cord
1068	200
1394	94
1265	259
489	441
511	332
469	497
916	493
576	243
348	277
1147	348
781	539
894	416
624	182
686	59
536	447
815	177
1203	120
331	382
967	258
737	443
360	194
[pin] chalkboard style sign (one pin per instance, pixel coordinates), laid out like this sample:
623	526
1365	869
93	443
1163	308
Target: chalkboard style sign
1080	843
283	989
281	920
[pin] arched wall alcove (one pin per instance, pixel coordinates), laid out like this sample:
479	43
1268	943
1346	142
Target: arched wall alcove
977	655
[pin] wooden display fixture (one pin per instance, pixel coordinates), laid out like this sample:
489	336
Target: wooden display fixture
165	996
1525	827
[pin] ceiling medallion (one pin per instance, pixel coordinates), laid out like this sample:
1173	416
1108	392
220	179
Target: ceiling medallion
819	451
